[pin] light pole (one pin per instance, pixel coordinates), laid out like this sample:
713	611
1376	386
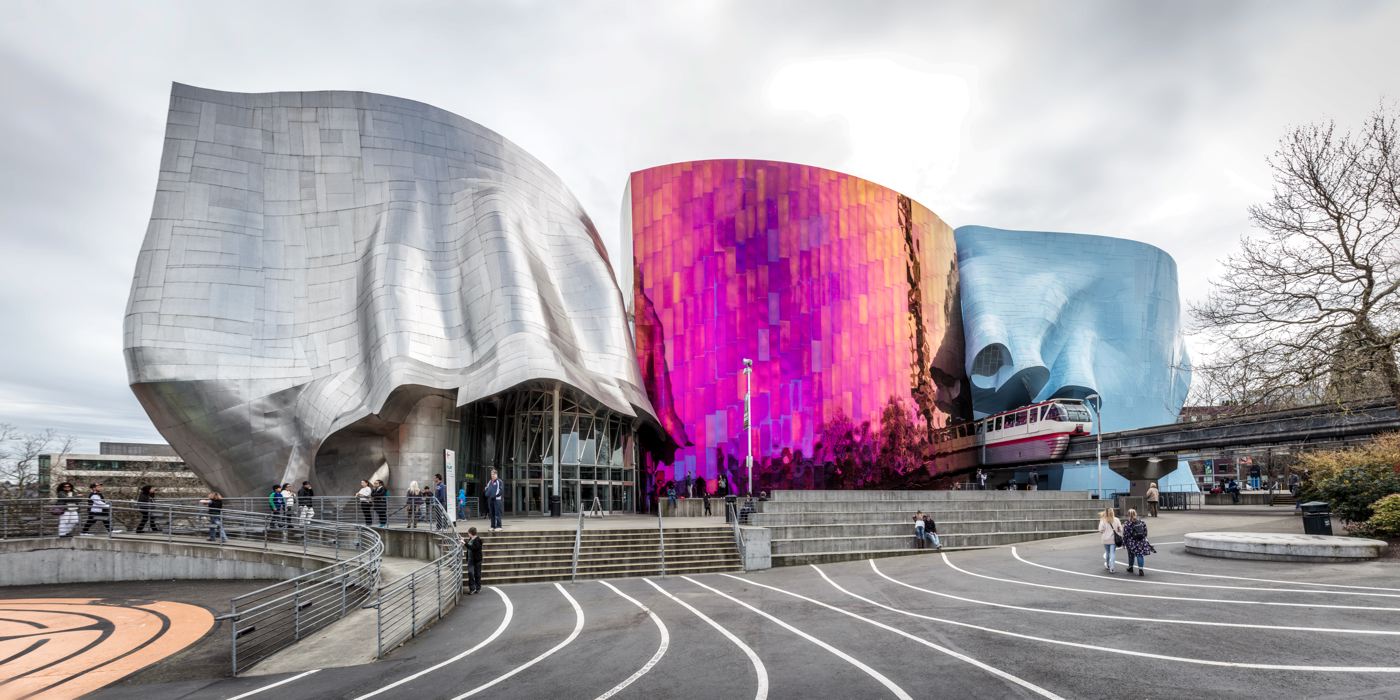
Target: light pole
1098	438
748	419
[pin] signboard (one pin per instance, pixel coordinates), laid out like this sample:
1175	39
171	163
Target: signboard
449	475
1209	472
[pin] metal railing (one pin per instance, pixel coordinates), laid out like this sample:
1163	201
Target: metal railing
391	511
578	544
409	605
263	621
738	536
661	538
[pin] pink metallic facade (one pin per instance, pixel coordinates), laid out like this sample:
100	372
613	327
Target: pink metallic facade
843	292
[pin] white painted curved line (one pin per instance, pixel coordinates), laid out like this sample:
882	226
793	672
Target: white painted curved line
270	686
758	667
1092	591
1274	580
660	650
941	649
879	677
578	627
505	622
1153	582
1112	650
1160	620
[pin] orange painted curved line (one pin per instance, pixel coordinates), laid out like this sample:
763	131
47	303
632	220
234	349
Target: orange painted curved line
87	644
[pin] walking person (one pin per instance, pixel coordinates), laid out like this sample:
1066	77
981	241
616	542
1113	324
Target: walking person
495	500
365	497
981	480
145	502
289	510
380	495
99	510
705	495
415	500
671	495
1135	540
1153	495
274	504
215	502
306	496
440	492
67	509
473	553
1111	535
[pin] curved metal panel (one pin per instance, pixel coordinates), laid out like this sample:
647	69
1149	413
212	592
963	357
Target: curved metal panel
309	253
1051	315
843	292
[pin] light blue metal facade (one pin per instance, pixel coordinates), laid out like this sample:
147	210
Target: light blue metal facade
1065	315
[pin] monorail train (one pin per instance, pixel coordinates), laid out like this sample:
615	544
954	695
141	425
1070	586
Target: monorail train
1036	433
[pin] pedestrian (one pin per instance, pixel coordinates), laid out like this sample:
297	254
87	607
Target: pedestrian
380	495
495	500
462	503
67	509
931	531
705	496
1135	540
921	536
99	510
306	496
1035	480
365	497
473	553
981	480
689	485
1111	535
1153	495
289	509
722	485
274	504
215	502
145	502
440	491
415	500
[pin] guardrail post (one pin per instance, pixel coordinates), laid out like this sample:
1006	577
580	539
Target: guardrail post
437	586
296	611
379	625
344	594
233	633
412	606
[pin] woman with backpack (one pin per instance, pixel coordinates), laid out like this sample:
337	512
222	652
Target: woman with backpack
1111	535
1135	540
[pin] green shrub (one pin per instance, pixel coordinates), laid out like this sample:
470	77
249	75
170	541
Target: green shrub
1385	518
1351	491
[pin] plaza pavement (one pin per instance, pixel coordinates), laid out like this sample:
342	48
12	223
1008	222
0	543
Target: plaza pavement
1040	620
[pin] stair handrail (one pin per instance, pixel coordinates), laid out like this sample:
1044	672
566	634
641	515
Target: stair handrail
738	537
578	542
661	537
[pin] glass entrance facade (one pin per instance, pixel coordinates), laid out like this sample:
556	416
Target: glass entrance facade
515	434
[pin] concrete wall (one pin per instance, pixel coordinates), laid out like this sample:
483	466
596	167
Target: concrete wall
758	548
92	560
416	543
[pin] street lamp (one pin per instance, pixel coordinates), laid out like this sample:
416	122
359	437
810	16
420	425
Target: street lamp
1098	437
748	419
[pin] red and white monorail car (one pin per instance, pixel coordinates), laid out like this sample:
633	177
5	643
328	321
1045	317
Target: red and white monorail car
1036	433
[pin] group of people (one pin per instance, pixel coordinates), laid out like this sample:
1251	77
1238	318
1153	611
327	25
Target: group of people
283	504
1130	534
68	503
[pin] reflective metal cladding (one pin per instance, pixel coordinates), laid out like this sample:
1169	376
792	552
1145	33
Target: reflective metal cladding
338	261
1050	315
843	292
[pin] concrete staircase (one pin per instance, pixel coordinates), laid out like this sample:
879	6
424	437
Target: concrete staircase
531	556
1283	499
827	526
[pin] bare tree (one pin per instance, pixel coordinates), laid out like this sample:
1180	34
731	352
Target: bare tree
1309	309
19	457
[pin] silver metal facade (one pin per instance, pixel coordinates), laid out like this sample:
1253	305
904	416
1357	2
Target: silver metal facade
321	260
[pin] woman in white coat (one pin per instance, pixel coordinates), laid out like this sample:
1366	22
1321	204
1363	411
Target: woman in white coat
1110	531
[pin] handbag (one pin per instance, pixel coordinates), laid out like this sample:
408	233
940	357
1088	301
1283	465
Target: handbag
1117	540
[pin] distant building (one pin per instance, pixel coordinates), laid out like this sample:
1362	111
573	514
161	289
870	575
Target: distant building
122	468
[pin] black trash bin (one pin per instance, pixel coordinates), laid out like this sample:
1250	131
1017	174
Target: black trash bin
556	508
729	501
1317	518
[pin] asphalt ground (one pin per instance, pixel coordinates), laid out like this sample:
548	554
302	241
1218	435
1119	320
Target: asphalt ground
1042	620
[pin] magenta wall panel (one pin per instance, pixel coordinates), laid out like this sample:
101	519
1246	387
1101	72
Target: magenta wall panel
843	292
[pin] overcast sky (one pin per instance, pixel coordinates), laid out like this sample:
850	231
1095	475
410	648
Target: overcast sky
1146	120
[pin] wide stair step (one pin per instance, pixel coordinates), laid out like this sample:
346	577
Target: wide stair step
534	556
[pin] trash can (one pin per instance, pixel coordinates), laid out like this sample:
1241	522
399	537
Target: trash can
729	510
556	508
1317	518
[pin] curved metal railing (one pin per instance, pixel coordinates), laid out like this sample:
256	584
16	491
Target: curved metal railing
407	606
263	621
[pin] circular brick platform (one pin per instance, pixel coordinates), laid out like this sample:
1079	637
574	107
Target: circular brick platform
1283	547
